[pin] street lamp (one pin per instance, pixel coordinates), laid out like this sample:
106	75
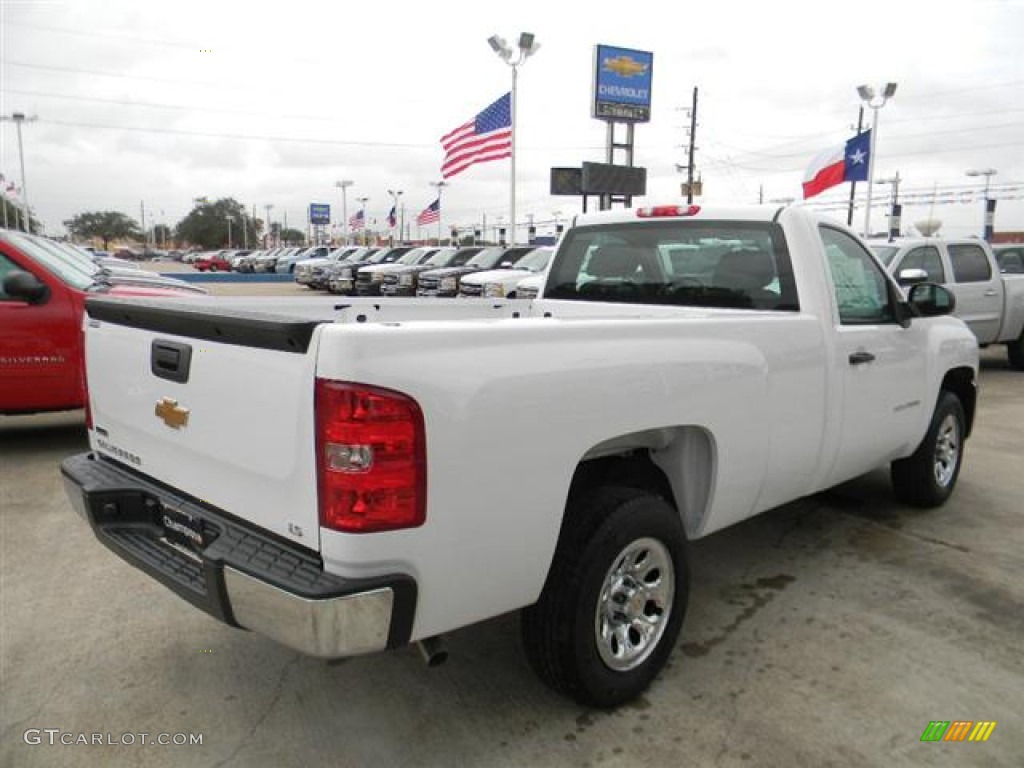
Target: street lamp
270	228
990	207
228	219
528	46
395	194
18	118
440	185
867	95
343	185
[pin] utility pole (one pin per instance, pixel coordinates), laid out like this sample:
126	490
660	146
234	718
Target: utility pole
693	139
145	237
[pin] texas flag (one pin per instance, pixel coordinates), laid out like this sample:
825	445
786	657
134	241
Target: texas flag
839	164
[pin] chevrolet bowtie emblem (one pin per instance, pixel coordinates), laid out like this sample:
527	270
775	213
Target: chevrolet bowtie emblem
173	415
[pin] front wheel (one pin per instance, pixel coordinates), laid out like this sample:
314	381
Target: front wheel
927	478
614	600
1015	352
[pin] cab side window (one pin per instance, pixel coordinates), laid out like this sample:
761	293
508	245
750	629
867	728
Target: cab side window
861	289
928	259
970	264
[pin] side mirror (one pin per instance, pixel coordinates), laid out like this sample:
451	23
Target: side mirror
505	264
931	300
911	276
26	286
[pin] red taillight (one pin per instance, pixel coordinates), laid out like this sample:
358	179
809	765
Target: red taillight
371	458
658	211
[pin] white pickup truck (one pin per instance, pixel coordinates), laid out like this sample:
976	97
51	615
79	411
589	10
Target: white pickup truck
990	302
328	474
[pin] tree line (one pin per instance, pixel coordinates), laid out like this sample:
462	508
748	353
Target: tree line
206	226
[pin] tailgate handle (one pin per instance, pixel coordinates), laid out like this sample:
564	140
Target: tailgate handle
170	360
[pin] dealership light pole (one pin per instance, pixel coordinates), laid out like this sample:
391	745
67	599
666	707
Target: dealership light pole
18	118
867	95
515	59
362	206
343	185
228	218
270	229
440	185
988	173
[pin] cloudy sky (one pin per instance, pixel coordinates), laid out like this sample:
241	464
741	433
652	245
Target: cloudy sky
272	103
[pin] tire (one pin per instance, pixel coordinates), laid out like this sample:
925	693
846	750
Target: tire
572	639
927	478
213	267
1015	353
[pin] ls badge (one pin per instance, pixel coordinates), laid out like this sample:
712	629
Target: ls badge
172	414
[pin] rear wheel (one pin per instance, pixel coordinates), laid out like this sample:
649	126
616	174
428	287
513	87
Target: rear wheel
613	603
213	267
927	478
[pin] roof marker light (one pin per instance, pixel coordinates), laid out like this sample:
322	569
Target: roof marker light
661	211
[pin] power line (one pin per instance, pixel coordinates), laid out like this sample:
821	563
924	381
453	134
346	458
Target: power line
121	75
152	105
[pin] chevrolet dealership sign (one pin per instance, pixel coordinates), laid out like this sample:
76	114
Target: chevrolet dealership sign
622	84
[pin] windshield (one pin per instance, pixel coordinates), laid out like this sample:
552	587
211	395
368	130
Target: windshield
536	260
733	264
70	255
487	258
65	270
413	256
885	252
440	259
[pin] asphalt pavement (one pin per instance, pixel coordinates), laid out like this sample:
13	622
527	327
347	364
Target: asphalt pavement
829	632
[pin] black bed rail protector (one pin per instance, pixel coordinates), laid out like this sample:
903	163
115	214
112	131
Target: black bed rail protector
245	328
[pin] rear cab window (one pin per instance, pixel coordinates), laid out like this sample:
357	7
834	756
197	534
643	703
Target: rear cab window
970	263
729	264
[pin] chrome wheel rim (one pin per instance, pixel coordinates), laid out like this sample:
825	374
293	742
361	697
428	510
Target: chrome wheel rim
634	604
947	450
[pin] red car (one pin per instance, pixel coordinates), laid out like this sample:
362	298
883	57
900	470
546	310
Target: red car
215	263
42	299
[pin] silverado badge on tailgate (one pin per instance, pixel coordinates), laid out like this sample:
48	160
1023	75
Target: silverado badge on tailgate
172	414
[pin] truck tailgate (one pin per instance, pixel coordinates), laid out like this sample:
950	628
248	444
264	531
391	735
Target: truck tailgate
216	404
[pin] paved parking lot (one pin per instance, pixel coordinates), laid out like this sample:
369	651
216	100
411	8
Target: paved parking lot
827	632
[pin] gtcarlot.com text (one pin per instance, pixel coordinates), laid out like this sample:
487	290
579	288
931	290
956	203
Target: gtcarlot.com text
55	737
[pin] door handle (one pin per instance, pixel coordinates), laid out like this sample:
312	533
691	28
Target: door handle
991	293
856	358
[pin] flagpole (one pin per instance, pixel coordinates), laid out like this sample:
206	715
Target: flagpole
440	185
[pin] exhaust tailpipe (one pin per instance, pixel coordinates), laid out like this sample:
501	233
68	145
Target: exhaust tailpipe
433	651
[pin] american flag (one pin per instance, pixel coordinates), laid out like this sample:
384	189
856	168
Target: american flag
357	220
431	213
393	217
488	136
